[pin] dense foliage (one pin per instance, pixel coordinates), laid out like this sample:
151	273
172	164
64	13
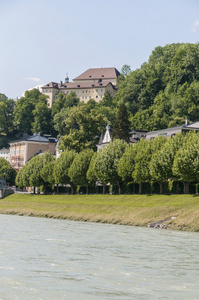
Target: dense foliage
160	160
161	93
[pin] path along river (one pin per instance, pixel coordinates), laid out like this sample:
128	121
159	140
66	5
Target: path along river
60	259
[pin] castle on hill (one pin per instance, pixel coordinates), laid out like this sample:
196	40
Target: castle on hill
92	84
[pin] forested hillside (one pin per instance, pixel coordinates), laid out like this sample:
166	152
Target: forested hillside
160	94
165	90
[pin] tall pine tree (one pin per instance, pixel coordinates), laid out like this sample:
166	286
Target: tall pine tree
122	125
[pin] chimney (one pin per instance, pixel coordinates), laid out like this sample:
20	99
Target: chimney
186	121
60	83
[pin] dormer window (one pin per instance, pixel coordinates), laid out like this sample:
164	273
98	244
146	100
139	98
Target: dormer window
102	75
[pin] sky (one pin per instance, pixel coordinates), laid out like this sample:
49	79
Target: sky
42	40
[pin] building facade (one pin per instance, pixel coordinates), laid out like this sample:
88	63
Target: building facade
92	84
24	149
170	132
5	153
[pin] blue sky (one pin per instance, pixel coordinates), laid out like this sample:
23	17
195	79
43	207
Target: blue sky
42	40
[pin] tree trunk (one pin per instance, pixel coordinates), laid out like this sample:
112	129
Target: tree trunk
140	188
120	187
33	189
104	188
72	188
186	187
161	188
87	189
57	188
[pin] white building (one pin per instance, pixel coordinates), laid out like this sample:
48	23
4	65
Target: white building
5	153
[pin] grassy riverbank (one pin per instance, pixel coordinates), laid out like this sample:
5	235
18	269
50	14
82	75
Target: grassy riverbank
138	210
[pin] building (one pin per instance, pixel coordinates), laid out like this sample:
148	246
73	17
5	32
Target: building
105	138
24	149
170	132
92	84
5	153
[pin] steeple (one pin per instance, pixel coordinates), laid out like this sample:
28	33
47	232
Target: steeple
66	78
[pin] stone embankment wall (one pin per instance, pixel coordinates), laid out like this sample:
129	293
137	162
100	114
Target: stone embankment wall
5	192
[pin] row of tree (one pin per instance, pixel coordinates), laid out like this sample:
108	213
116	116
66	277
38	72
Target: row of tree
160	160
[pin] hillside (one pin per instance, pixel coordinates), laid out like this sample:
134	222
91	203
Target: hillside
165	90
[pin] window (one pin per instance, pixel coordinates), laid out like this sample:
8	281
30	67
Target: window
82	97
96	96
82	91
86	91
102	90
163	134
96	90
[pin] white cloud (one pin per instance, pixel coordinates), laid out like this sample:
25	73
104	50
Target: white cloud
35	79
195	26
36	87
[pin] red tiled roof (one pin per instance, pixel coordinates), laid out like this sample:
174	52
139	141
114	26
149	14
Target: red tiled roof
50	85
98	73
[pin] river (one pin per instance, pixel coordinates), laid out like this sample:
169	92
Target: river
60	259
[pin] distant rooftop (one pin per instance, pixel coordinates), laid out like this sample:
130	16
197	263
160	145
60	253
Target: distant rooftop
36	138
98	73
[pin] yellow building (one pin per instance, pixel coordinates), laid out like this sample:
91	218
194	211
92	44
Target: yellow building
24	149
92	84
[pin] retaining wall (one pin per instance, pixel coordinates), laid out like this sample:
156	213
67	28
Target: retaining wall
5	192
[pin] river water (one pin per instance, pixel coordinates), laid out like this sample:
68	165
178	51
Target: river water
60	259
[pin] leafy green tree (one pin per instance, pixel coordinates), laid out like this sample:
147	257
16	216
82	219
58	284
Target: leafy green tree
83	129
61	168
164	89
59	121
186	162
147	149
126	163
162	161
47	169
107	99
42	119
37	172
7	172
67	101
79	167
106	163
6	114
23	112
122	125
90	175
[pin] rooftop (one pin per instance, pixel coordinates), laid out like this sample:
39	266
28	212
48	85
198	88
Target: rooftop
36	138
98	73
